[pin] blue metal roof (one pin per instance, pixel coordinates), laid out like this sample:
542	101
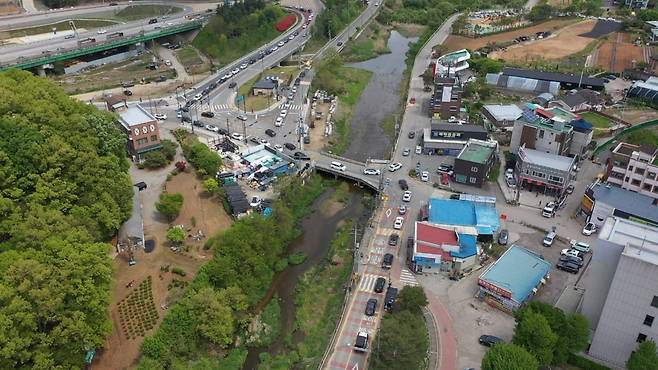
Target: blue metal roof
482	216
467	246
581	124
518	270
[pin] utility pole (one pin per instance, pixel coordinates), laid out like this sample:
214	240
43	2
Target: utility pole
244	131
228	128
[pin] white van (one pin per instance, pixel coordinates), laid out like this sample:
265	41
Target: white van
548	240
338	166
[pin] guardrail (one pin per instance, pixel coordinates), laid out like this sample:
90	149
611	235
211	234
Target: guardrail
96	47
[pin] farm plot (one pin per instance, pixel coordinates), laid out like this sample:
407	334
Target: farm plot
137	312
619	53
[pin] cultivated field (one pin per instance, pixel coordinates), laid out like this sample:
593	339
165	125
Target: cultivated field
564	42
619	53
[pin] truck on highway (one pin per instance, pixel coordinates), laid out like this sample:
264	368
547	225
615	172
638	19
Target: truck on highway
86	41
389	299
114	35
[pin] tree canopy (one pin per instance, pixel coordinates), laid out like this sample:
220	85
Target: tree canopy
534	334
169	204
64	188
505	356
644	358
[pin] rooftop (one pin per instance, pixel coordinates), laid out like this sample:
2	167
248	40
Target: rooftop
433	239
482	216
518	271
630	202
477	151
501	112
454	127
554	76
264	156
467	246
135	115
627	149
543	159
264	84
641	240
455	56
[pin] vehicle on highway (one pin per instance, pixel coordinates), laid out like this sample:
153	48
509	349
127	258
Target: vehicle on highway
153	20
207	114
279	147
100	32
255	201
283	113
242	117
371	171
67	37
549	210
286	105
403	184
571	259
274	48
406	152
571	252
179	114
291	96
278	122
589	229
235	71
160	116
399	221
445	168
252	60
269	132
361	342
394	166
406	197
549	238
425	176
290	146
419	149
387	261
127	92
291	37
338	166
580	246
489	340
212	128
411	135
371	307
301	156
380	283
237	136
503	237
402	209
244	66
232	85
568	267
393	240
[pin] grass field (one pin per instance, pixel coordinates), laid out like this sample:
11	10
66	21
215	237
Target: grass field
596	120
135	12
189	57
256	103
60	26
370	44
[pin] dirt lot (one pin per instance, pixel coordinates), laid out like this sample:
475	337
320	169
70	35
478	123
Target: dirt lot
460	42
121	352
318	140
565	41
618	53
635	115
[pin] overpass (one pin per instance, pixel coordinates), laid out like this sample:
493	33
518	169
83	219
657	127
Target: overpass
354	172
70	53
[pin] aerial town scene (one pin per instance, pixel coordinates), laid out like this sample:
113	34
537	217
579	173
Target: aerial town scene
329	184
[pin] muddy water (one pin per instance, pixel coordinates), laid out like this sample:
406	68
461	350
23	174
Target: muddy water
318	230
379	99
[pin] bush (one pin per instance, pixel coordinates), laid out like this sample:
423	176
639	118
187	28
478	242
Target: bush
178	271
296	258
170	205
585	363
281	265
155	159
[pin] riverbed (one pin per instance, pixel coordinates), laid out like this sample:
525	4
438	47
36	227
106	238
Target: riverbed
379	99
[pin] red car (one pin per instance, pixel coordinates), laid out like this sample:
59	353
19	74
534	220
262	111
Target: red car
445	179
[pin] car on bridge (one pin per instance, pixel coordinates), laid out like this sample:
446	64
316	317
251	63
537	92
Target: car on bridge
371	171
394	166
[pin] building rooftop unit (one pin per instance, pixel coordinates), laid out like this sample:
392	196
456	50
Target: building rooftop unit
477	151
518	271
509	112
539	158
135	115
627	201
267	157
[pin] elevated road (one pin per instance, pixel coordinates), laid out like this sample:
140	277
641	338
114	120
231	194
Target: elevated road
353	171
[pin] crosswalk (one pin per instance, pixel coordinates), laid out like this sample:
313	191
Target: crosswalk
219	107
407	278
367	282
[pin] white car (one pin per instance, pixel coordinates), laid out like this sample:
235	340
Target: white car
371	171
570	252
244	66
406	152
279	147
589	229
198	97
419	149
283	113
235	71
286	105
275	48
242	117
394	166
237	136
291	37
397	225
212	128
304	27
280	44
255	201
278	122
160	116
167	63
264	142
406	197
376	4
179	114
425	176
100	32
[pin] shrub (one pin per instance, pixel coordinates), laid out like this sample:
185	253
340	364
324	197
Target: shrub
296	258
285	23
178	271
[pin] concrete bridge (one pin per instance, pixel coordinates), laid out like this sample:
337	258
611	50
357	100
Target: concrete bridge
354	170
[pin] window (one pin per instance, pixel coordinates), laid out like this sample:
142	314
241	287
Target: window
651	175
142	141
648	320
646	187
639	171
154	138
630	168
541	134
474	169
635	182
641	338
654	301
473	180
627	179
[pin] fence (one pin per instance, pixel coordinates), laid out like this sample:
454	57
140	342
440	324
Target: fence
621	134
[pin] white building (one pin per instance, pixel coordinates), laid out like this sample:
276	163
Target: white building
635	168
449	64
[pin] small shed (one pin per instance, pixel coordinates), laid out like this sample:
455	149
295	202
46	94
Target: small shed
264	87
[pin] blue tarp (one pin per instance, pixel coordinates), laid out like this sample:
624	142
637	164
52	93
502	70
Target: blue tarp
581	124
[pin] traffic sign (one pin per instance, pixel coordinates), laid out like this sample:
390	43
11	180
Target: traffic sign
240	98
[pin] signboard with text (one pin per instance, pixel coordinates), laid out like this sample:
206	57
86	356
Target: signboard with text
500	291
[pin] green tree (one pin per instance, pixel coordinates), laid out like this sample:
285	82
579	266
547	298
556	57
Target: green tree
210	185
168	149
170	205
428	77
176	235
644	358
213	316
508	357
534	334
540	12
402	342
155	159
411	298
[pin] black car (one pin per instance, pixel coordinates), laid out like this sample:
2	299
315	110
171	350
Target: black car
185	109
222	131
290	146
186	118
571	259
387	262
213	85
297	81
568	267
455	196
207	114
380	283
254	140
340	43
393	239
403	184
198	123
232	85
489	340
412	134
302	74
269	132
307	139
371	307
127	92
301	156
252	61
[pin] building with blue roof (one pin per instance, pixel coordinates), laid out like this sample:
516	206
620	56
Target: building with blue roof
479	213
513	279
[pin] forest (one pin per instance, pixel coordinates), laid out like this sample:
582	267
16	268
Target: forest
64	191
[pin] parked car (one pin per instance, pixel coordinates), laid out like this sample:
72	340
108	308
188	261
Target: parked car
290	146
160	116
571	259
406	197
197	123
361	342
278	147
237	136
269	132
503	237
570	189
371	307
589	229
242	117
549	238
380	283
397	225
255	201
425	176
568	267
301	156
580	246
549	210
411	135
212	128
387	261
403	184
445	168
406	152
402	209
127	92
393	240
371	171
571	252
419	149
394	166
511	182
489	340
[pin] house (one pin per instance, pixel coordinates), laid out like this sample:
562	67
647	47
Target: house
474	162
566	81
602	200
513	279
442	249
548	171
446	101
141	128
264	87
620	297
635	168
522	84
502	115
579	100
449	64
449	138
543	99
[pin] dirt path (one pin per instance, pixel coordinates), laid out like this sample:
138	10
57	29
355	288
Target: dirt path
168	54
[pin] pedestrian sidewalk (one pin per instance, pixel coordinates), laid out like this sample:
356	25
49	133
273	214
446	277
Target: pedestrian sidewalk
446	335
